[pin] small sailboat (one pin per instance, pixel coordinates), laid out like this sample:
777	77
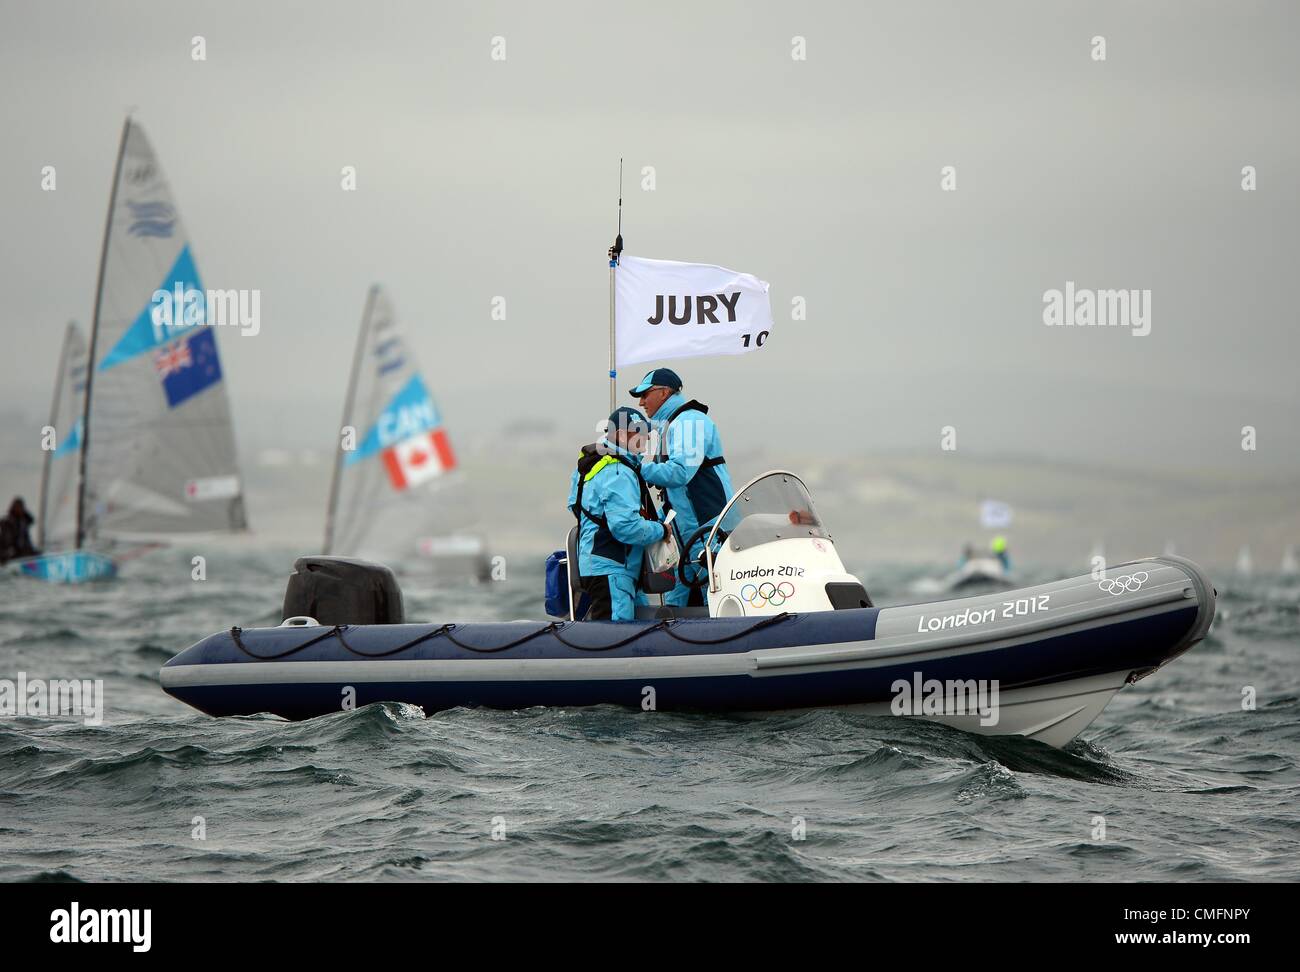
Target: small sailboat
1290	564
394	457
56	519
1245	563
143	411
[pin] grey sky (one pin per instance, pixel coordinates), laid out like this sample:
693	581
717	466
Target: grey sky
480	178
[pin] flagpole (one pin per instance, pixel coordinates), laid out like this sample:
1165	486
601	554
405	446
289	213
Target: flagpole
613	372
615	252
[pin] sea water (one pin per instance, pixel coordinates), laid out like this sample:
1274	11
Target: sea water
1191	774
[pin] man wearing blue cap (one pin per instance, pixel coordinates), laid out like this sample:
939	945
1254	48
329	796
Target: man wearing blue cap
689	468
616	516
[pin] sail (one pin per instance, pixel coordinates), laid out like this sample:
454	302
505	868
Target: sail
1245	563
56	522
380	495
160	448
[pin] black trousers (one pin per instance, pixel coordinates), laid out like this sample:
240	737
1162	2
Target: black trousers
602	599
602	605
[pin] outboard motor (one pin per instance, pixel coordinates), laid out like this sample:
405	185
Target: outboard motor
338	590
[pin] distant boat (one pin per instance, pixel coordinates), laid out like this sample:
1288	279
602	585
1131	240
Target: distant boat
1290	565
149	420
976	572
382	501
1245	564
56	518
56	522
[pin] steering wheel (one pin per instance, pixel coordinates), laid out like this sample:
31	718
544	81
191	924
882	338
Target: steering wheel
682	564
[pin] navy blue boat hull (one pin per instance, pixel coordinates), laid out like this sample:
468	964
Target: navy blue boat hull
1133	646
1054	653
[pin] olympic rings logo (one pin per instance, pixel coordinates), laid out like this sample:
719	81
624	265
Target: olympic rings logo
761	595
1125	582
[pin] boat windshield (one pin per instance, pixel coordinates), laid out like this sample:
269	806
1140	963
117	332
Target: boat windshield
775	506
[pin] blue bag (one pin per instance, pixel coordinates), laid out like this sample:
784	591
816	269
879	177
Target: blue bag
557	585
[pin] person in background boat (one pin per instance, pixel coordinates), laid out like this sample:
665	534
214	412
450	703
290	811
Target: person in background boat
967	552
689	468
16	532
616	517
999	550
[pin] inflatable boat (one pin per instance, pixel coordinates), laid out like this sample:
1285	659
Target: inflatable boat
785	628
978	573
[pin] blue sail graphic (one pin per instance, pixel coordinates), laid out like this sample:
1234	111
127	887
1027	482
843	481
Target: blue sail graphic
142	335
409	413
72	443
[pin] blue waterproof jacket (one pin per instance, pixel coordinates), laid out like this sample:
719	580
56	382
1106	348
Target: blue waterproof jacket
613	533
690	465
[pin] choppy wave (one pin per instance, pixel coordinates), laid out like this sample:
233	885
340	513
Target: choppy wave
1188	779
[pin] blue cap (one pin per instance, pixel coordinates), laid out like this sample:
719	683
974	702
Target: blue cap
626	417
664	377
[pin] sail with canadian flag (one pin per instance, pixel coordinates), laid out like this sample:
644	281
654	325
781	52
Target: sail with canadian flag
393	448
415	460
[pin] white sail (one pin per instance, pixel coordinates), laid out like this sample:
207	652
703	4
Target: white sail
56	522
380	495
1245	563
159	444
1290	564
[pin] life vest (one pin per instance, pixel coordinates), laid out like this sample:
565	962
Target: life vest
709	498
591	462
691	406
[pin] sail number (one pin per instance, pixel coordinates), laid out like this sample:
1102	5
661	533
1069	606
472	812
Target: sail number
757	339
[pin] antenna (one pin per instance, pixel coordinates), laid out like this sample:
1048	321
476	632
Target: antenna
615	252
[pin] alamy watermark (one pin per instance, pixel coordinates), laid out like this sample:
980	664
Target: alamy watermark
77	925
951	697
76	697
186	306
1081	307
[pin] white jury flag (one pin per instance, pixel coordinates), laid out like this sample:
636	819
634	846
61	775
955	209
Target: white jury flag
665	309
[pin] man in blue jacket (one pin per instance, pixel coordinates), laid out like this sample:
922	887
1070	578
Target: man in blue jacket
689	468
616	517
